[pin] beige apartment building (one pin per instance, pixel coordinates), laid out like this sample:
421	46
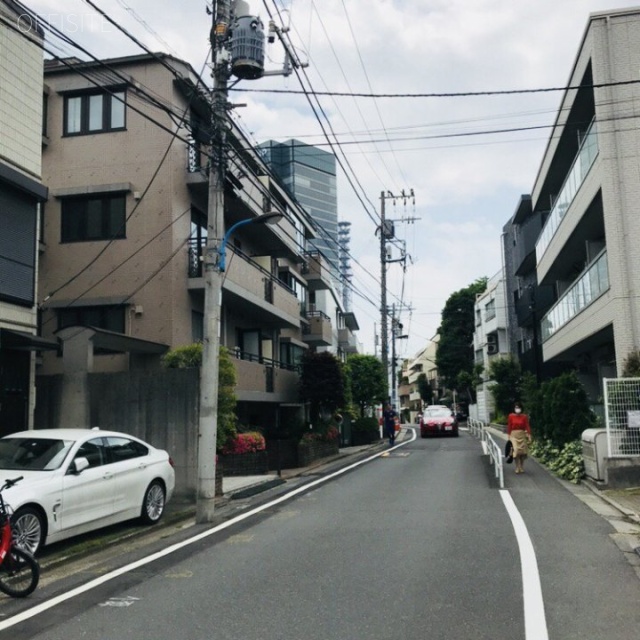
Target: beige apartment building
125	228
21	192
587	191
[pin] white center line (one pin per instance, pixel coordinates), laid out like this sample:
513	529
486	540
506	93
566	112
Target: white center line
535	622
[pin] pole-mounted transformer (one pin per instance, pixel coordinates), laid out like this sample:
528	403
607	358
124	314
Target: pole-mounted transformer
246	43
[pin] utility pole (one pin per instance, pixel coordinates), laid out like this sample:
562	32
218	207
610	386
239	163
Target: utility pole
384	346
387	233
208	421
242	55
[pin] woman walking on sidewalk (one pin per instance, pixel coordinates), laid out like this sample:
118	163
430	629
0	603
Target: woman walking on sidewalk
519	433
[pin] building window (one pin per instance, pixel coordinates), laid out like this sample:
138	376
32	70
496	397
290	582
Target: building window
87	218
94	112
108	317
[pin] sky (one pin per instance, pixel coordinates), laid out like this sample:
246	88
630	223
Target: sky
466	172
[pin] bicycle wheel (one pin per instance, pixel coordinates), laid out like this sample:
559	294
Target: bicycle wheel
19	573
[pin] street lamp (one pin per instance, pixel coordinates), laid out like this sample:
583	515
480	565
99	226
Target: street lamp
208	422
273	217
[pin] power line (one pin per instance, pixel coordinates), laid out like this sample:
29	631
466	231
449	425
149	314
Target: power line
460	94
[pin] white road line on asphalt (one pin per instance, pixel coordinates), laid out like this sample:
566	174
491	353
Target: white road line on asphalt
107	577
535	622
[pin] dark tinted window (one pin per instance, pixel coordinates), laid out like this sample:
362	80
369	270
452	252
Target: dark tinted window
125	449
94	451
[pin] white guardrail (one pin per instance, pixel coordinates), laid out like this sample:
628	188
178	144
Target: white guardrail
489	446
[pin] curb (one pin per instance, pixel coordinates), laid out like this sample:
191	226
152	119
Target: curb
184	514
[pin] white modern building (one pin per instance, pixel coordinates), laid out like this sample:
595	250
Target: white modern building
588	249
489	339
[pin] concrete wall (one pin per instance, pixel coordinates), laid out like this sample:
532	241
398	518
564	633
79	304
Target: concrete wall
159	407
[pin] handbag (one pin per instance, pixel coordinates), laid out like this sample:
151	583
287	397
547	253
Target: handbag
508	452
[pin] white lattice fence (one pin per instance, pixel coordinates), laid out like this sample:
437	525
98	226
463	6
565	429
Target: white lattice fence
622	416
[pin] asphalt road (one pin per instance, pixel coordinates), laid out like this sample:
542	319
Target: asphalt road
419	543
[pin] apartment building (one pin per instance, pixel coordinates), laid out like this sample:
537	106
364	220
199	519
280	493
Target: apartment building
586	192
490	338
21	193
412	368
125	230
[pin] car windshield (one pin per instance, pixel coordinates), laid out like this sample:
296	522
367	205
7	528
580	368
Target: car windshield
33	454
438	413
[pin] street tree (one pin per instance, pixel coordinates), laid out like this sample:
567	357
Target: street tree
424	389
466	383
506	375
322	383
367	381
455	345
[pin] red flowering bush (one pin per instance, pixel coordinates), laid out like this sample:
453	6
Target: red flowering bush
328	435
249	442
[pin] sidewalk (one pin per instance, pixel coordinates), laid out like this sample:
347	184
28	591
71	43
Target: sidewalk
627	501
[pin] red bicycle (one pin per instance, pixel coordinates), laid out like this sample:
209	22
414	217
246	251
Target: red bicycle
19	570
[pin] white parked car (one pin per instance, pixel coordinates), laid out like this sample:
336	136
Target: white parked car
78	480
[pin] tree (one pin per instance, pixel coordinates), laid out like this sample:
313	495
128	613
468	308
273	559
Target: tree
466	382
189	356
424	389
322	383
455	346
631	365
507	378
367	381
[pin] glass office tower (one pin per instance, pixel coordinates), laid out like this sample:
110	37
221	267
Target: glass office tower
309	173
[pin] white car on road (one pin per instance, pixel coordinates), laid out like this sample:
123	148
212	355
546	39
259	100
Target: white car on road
78	480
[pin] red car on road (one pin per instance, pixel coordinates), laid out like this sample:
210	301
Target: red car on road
438	421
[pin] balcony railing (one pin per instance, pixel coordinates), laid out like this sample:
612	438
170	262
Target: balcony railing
259	377
347	340
319	328
591	284
579	170
196	253
315	271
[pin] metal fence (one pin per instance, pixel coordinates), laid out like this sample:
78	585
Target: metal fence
489	446
622	416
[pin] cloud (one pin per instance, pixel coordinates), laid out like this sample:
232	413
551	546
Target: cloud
466	187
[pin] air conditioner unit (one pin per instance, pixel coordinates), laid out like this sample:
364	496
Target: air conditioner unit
492	338
492	349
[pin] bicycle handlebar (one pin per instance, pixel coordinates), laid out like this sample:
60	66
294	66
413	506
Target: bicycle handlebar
9	483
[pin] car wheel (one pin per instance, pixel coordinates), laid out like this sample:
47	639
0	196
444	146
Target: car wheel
28	529
154	502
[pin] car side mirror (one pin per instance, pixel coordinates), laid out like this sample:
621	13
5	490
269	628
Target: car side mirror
79	465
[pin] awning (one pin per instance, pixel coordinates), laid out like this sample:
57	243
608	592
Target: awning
23	341
103	339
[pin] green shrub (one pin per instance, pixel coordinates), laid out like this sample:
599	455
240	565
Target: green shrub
189	356
566	461
365	425
565	408
185	357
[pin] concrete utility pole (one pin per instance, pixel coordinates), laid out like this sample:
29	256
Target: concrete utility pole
384	346
208	422
387	233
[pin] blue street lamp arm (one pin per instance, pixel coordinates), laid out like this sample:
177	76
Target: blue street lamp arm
222	250
273	217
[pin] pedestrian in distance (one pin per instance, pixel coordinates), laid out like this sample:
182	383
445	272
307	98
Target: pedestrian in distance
519	432
389	421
